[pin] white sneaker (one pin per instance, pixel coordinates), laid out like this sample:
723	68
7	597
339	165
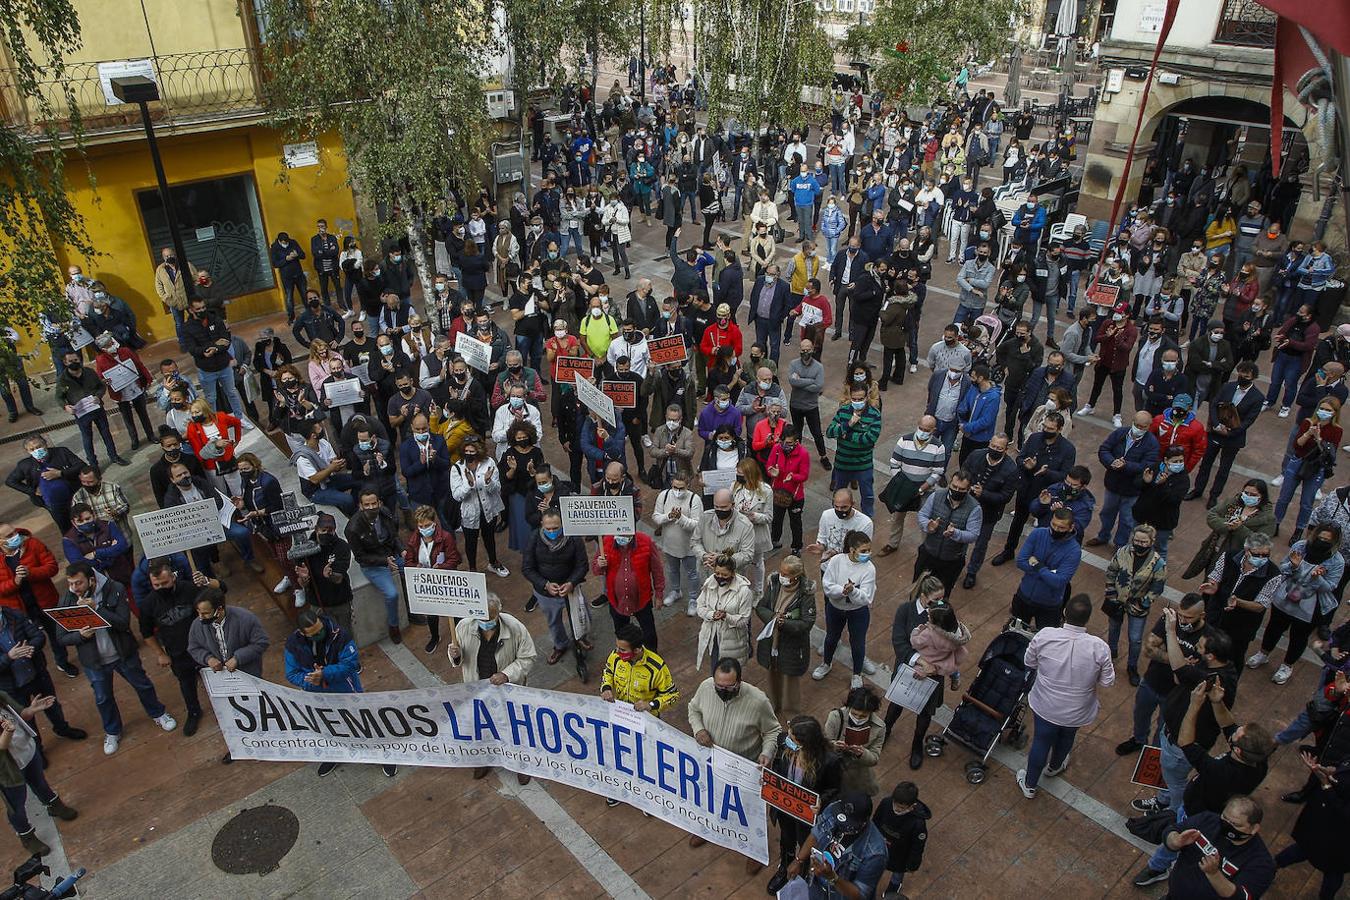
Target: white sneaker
1282	674
347	314
821	671
869	668
1056	772
248	426
1284	412
1115	421
1346	448
167	722
499	570
1085	411
110	742
283	585
668	600
1028	792
1277	481
692	609
299	599
855	682
1256	660
647	440
913	368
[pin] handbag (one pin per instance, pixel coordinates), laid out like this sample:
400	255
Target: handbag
782	498
1204	557
1151	827
1113	607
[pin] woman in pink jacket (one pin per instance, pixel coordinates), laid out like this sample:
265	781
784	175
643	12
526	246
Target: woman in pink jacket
789	466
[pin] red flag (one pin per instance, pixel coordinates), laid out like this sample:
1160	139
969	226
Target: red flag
1329	24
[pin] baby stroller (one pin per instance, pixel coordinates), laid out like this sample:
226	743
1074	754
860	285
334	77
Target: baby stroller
982	339
994	704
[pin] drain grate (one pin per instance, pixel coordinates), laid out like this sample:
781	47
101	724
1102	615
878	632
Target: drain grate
256	840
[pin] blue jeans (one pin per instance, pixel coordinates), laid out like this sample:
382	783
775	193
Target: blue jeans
328	496
1146	703
1164	538
965	314
34	776
842	477
384	582
857	621
1136	637
1176	770
1049	745
532	349
1119	511
554	610
1072	293
1050	308
1310	485
1299	728
1162	858
836	178
100	678
831	248
769	336
97	419
805	216
223	379
1284	374
946	433
177	327
242	538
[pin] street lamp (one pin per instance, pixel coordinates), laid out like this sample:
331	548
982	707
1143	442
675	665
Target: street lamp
141	90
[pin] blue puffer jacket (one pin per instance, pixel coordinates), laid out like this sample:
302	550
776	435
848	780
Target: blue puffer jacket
978	412
1056	561
336	652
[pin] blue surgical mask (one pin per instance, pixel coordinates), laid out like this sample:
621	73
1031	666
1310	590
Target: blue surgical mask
1256	560
1176	468
487	624
422	437
366	445
857	404
546	487
1324	415
790	744
38	453
517	402
1249	500
1136	432
427	530
88	527
552	533
864	557
622	541
387	349
921	435
14	542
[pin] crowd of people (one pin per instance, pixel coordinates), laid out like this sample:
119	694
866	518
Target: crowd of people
428	455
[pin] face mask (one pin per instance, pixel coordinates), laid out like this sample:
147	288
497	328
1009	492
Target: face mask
725	443
87	527
723	404
1136	432
288	385
470	457
387	350
1169	366
14	542
807	357
75	365
517	402
864	557
1176	468
922	435
1117	317
791	745
552	533
1190	627
423	437
406	391
1216	336
1324	415
1256	561
38	453
184	482
1140	551
366	445
1178	414
487	625
597	313
1059	535
396	258
199	418
857	404
626	655
765	385
957	497
1319	546
724	514
1054	370
1249	500
427	531
726	695
623	541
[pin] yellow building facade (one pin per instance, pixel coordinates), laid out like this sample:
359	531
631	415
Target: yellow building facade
235	183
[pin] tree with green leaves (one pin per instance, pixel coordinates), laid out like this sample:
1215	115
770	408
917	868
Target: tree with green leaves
401	82
36	214
917	46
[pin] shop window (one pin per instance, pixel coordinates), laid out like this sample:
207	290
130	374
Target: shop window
221	225
844	6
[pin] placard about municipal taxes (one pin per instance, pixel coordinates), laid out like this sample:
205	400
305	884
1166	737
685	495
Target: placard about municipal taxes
667	351
595	400
179	528
446	592
475	352
597	515
74	618
566	368
623	393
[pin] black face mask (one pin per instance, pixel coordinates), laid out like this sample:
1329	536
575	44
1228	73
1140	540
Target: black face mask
1054	370
957	497
185	482
1060	535
727	694
724	514
994	457
172	455
1070	493
1232	835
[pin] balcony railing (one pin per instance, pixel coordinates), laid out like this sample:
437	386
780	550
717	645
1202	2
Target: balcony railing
194	88
1245	23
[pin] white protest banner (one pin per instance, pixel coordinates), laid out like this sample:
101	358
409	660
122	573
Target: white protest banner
179	528
346	392
362	372
446	592
811	315
910	692
564	737
597	515
716	479
475	352
595	399
121	376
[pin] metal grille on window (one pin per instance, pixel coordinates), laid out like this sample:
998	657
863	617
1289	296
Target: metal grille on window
1245	23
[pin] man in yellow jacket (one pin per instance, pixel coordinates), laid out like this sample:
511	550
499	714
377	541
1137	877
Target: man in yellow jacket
638	676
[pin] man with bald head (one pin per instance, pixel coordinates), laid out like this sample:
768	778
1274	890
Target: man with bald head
723	528
642	307
754	400
917	464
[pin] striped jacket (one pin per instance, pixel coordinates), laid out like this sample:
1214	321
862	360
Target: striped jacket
854	444
919	464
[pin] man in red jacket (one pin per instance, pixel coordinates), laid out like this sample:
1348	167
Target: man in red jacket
26	585
1179	425
633	576
723	332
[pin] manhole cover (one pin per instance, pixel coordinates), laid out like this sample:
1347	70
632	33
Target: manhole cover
256	840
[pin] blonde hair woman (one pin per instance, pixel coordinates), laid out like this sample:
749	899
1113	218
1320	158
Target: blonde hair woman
319	353
724	605
1063	405
754	499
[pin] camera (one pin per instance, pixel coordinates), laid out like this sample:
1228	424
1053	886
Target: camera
32	869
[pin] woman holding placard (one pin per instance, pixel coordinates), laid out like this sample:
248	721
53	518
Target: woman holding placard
432	547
